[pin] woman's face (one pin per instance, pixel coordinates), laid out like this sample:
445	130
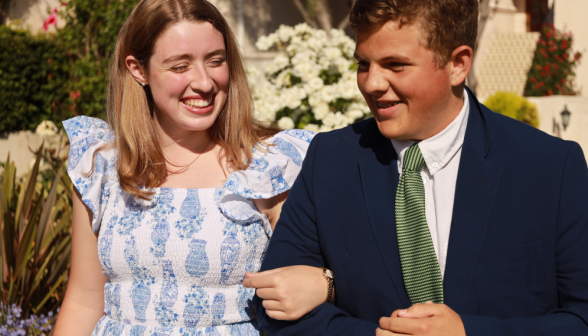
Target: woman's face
189	76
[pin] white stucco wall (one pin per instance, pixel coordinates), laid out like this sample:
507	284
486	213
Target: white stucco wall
550	109
30	14
571	15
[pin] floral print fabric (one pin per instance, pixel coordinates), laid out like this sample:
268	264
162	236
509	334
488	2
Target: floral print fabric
174	264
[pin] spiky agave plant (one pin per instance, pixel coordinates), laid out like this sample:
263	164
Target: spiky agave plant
35	241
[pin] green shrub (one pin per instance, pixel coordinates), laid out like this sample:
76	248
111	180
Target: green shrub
89	37
514	106
35	244
60	75
33	70
553	69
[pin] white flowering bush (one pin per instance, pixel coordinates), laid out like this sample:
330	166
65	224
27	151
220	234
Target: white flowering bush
312	83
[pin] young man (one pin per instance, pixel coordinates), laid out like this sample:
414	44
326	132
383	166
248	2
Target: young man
436	198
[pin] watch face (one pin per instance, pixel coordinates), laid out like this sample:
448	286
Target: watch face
328	273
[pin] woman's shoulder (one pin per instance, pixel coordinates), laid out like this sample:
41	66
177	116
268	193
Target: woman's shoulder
92	162
282	148
86	135
273	169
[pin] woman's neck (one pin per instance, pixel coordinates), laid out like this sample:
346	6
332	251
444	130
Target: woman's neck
178	142
192	158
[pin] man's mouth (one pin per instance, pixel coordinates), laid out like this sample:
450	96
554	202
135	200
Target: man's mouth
198	103
386	105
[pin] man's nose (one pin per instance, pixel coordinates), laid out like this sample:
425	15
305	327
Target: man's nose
201	81
376	83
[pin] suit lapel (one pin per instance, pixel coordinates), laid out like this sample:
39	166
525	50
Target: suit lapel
379	178
477	183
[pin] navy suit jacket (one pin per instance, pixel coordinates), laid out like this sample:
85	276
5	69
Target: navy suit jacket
517	260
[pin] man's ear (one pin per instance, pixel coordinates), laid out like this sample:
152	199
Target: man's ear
136	70
461	64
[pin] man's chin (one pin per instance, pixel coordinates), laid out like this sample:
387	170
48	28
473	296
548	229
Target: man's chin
391	130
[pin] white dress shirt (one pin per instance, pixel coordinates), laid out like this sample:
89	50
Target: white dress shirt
442	154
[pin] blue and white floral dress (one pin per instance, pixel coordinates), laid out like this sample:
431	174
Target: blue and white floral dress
175	263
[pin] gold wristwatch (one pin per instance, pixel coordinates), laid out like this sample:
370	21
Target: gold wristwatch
329	276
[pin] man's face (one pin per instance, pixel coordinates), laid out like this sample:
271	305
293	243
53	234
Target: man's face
409	96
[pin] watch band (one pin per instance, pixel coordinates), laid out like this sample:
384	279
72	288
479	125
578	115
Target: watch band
328	274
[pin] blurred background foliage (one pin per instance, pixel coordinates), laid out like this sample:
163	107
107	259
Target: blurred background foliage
35	244
514	106
33	77
55	76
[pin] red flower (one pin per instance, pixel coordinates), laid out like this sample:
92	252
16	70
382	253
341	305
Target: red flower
563	80
48	76
539	67
50	21
550	92
49	60
546	68
75	95
543	74
533	80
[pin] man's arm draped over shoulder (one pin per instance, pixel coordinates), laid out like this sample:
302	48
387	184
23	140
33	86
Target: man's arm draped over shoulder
295	242
572	267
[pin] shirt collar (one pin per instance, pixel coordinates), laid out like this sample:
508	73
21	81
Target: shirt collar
440	148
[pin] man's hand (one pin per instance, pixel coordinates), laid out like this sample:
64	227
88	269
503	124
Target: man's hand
422	319
289	293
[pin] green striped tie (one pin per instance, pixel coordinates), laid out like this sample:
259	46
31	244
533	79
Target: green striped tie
420	269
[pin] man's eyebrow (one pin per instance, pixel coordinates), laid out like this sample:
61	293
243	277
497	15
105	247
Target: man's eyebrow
396	58
393	57
174	58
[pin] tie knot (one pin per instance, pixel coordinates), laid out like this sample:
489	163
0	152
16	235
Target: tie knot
413	159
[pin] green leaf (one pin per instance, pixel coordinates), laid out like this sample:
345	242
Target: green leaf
27	194
47	210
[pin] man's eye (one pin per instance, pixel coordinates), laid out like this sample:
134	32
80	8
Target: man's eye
363	65
180	68
396	66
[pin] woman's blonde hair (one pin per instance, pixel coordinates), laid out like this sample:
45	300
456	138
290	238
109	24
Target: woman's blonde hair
141	163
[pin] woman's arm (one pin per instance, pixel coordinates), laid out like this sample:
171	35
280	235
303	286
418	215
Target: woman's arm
271	207
291	292
83	304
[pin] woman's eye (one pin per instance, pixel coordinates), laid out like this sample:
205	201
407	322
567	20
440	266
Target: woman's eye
180	68
217	62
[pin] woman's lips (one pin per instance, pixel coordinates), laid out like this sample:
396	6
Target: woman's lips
199	106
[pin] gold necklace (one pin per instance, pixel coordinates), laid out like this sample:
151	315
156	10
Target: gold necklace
184	168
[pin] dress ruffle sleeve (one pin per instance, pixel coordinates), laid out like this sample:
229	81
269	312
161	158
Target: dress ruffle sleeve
272	171
86	135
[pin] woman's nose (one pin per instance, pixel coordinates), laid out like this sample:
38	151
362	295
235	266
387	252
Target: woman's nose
201	80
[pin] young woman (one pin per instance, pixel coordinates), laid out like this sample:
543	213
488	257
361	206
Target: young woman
178	194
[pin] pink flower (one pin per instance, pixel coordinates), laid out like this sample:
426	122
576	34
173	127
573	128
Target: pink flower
51	20
75	95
